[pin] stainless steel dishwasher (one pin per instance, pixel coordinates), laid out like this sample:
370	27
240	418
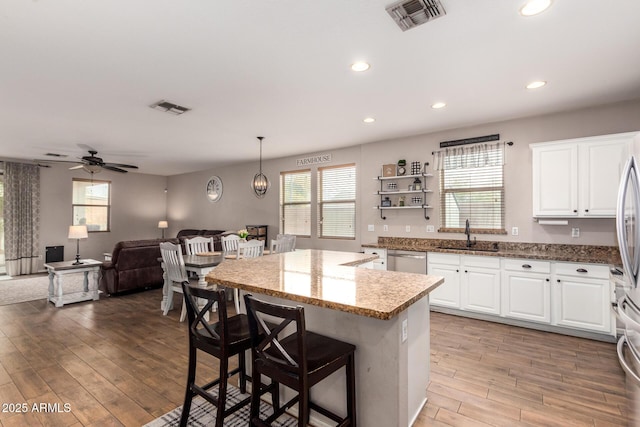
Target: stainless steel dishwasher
407	261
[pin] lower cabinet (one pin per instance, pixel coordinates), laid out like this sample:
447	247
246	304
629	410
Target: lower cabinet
582	296
560	294
480	284
447	266
526	290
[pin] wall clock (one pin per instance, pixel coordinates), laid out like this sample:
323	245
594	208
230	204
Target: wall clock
214	188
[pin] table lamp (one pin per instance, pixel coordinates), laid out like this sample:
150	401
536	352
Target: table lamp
162	225
78	232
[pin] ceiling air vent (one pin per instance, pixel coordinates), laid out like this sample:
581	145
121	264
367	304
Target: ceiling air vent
169	107
411	13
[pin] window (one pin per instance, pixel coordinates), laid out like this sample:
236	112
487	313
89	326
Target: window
472	187
91	204
295	202
337	202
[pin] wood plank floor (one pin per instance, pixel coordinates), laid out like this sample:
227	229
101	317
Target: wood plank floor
119	362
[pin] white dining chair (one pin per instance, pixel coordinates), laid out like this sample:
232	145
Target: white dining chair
250	249
291	239
279	246
198	244
230	243
175	273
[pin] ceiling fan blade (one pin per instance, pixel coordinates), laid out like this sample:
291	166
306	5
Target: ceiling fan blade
76	167
113	168
121	165
75	162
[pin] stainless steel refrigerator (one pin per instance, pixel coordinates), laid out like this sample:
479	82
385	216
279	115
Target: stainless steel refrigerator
628	306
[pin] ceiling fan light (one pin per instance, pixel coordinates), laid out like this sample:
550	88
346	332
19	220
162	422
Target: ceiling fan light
92	168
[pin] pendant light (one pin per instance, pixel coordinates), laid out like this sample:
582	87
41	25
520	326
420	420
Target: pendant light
260	183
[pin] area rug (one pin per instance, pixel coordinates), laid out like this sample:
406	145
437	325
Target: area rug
202	413
35	287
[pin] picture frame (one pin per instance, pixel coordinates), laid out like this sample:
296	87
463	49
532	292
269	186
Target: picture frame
389	170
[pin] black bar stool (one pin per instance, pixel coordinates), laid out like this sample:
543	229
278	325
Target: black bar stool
224	339
298	361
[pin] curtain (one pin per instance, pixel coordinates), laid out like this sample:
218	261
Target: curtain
21	218
469	156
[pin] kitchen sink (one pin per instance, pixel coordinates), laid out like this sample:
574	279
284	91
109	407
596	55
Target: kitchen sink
471	249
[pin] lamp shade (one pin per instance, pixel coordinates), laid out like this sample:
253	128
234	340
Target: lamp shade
163	224
78	232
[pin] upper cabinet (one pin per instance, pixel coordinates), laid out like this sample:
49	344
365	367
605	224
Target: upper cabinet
578	178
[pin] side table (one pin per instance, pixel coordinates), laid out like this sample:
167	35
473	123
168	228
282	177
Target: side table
57	270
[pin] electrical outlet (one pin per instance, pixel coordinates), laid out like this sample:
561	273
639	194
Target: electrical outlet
405	332
514	231
407	228
575	232
385	227
430	229
371	227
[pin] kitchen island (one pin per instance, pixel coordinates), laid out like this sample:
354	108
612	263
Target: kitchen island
384	314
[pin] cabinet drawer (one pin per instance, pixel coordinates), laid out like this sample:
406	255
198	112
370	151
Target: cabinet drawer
527	265
481	261
593	271
438	258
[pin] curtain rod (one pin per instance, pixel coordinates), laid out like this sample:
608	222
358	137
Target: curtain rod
509	143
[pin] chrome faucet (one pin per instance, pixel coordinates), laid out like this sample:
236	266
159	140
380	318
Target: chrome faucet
467	231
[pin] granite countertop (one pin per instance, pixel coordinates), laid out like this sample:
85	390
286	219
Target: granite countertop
551	252
327	279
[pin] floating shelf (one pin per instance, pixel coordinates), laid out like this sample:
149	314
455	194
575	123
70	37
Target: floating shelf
420	175
390	193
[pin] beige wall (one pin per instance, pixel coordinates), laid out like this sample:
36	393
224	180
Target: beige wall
188	206
138	203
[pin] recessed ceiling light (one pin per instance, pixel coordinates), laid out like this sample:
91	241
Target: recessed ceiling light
438	105
534	7
360	66
369	120
537	84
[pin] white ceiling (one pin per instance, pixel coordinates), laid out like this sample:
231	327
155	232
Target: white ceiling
85	72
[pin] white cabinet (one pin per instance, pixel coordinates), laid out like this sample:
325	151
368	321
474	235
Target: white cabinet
381	262
480	285
526	290
578	178
447	266
582	296
560	295
471	283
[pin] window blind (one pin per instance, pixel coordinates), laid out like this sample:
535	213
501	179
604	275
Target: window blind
337	201
472	187
91	204
295	202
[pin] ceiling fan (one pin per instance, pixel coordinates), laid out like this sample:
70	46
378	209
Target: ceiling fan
94	164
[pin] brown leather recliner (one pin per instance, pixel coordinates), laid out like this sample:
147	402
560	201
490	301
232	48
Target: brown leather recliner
134	265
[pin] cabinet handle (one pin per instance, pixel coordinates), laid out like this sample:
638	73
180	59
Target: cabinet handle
558	280
457	271
526	266
586	210
466	271
575	210
581	270
547	279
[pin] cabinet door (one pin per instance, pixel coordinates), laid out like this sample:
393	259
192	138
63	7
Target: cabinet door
447	294
601	163
555	180
526	296
582	303
481	290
